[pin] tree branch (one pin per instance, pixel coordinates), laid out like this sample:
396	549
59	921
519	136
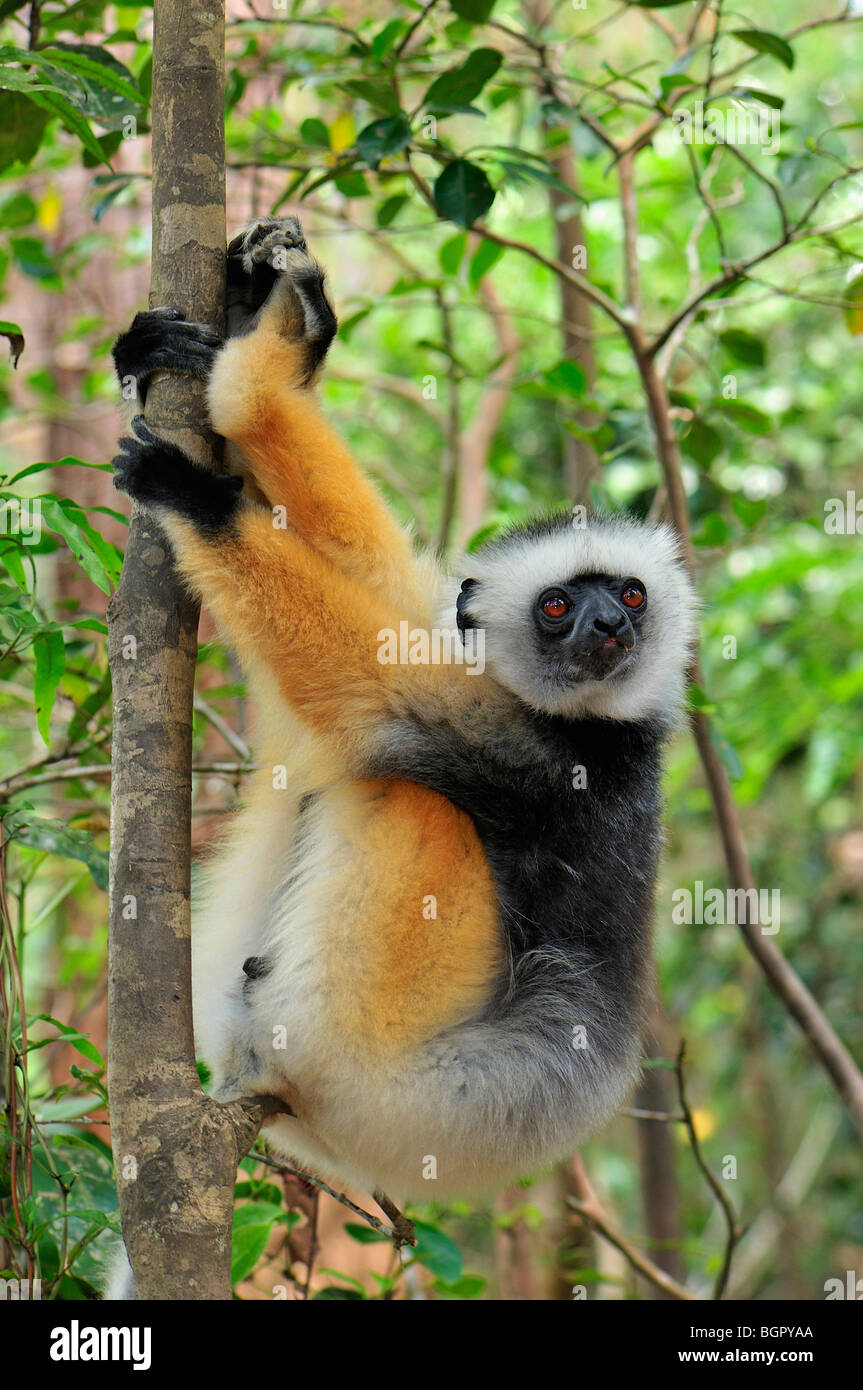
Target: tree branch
588	1208
176	1150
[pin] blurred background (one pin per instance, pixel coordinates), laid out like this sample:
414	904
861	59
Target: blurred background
478	384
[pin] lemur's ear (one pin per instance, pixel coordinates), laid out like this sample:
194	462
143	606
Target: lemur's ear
462	617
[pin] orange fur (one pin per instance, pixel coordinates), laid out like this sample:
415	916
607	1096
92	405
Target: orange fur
315	628
300	464
421	899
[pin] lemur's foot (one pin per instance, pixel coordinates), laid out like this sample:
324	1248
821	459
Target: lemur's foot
156	473
270	272
160	340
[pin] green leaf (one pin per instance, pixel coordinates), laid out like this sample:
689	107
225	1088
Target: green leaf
101	206
343	1295
377	93
756	94
387	38
384	137
69	461
18	211
352	184
100	561
261	1191
714	531
746	347
74	122
451	254
468	1286
251	1231
55	837
748	417
437	1252
98	67
80	1042
698	700
749	510
314	132
462	193
669	80
365	1235
390	209
487	255
567	378
16	339
347	326
49	651
764	42
31	257
22	126
456	89
89	708
702	442
475	11
852	305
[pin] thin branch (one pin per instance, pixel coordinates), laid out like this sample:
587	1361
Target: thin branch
588	1208
280	1166
423	14
595	295
660	1116
734	1231
239	745
738	270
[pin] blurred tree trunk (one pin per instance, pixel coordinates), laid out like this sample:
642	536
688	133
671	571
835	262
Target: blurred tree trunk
175	1150
580	460
660	1194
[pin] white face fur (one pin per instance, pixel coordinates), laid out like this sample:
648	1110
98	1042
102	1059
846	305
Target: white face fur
513	574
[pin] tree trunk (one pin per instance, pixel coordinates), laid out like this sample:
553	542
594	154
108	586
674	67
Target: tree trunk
175	1150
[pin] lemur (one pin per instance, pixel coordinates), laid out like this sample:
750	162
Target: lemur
428	929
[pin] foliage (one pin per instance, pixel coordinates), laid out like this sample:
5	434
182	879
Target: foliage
427	149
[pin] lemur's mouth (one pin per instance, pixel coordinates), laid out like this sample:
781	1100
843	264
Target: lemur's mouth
603	660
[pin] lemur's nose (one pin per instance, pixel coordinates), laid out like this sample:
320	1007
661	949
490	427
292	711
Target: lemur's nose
609	621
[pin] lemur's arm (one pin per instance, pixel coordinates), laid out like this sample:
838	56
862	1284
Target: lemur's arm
282	601
261	399
310	600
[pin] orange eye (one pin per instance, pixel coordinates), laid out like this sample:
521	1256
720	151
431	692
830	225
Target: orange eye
633	595
556	607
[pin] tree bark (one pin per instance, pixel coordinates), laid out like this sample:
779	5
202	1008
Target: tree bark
175	1149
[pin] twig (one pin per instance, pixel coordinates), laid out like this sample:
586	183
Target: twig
238	744
733	1229
738	270
280	1166
661	1116
405	40
588	1208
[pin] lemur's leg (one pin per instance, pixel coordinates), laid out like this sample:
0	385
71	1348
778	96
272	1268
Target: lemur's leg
260	399
283	602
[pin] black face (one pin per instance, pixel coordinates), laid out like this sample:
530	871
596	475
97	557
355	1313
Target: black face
589	626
